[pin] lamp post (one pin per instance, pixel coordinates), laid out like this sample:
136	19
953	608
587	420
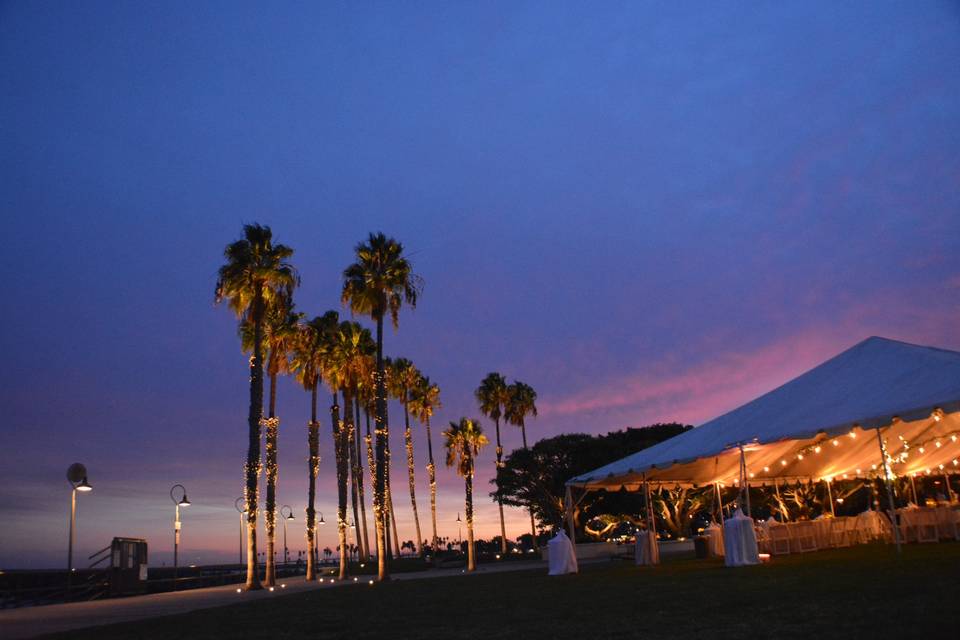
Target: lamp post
242	509
77	477
182	502
459	534
289	516
316	543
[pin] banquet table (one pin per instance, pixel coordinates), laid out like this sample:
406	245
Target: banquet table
562	557
714	535
648	551
740	541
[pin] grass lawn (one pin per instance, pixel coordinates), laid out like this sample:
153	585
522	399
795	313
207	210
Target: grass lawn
847	593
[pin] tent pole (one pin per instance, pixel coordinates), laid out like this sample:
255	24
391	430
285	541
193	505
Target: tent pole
651	518
913	489
744	481
568	504
830	497
716	485
946	477
886	480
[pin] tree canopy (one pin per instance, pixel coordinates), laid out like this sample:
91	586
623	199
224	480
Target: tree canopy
535	478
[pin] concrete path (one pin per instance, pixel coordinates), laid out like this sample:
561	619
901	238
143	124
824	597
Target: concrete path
27	622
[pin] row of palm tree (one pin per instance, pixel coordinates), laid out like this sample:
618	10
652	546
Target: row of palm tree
257	281
514	402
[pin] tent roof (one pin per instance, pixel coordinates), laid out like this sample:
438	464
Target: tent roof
866	386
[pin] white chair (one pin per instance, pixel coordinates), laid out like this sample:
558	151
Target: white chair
926	526
778	539
805	536
840	532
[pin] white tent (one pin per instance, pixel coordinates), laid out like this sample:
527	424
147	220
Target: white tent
828	423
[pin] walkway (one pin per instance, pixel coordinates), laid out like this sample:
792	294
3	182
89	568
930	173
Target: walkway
27	622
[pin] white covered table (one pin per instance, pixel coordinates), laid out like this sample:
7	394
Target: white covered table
714	536
562	557
740	541
648	551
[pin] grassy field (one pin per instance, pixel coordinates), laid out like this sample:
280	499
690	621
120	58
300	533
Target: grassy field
848	593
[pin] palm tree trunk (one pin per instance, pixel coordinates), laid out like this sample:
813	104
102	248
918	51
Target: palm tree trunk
372	464
393	526
270	512
379	488
359	455
255	414
408	438
351	457
313	440
339	454
432	475
503	529
471	558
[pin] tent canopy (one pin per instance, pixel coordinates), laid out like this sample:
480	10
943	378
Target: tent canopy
822	424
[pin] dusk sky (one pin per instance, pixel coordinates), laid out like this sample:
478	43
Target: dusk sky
647	211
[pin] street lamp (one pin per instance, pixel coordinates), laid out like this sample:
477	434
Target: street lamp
241	505
182	502
77	477
459	533
289	516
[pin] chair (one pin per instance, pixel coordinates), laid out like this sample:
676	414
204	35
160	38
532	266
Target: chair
840	532
778	539
926	526
947	524
805	536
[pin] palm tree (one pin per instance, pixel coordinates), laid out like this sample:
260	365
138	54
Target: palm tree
307	362
362	395
403	377
423	401
280	332
492	396
522	402
464	440
337	355
255	274
356	343
379	282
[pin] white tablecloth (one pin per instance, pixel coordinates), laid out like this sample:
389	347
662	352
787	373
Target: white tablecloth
648	551
740	541
563	559
714	535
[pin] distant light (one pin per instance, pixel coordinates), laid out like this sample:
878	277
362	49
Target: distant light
766	469
816	449
852	434
799	456
783	463
370	582
283	586
498	556
238	590
836	442
84	485
271	589
355	579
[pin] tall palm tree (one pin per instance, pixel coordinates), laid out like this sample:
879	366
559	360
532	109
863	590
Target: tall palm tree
402	378
492	396
307	363
378	283
256	273
464	440
522	402
280	332
423	401
363	396
337	362
357	342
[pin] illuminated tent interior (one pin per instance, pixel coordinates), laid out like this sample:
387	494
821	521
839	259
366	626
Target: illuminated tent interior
827	423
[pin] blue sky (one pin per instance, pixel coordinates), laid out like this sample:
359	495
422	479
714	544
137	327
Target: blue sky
646	212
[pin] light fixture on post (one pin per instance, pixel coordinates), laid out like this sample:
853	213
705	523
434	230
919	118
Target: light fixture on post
460	534
182	502
241	506
77	477
289	516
